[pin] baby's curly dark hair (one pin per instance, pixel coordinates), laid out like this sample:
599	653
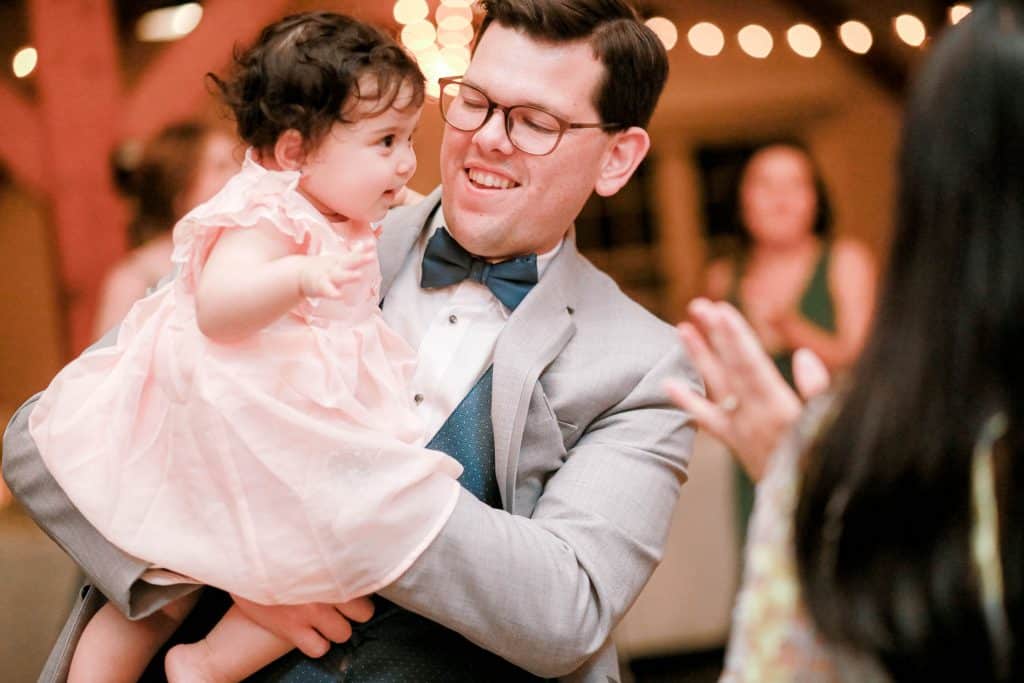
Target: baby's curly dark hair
304	73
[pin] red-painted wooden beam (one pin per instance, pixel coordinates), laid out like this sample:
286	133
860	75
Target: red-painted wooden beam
79	105
21	141
173	86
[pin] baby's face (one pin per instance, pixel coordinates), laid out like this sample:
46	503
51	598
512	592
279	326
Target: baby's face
358	169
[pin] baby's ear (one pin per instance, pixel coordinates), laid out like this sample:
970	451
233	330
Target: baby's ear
288	151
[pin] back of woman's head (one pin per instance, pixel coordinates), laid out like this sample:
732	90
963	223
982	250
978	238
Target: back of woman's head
307	71
886	513
160	175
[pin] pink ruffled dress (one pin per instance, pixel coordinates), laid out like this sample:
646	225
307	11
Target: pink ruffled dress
288	467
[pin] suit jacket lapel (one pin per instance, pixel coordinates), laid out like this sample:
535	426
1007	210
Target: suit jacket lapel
401	228
533	336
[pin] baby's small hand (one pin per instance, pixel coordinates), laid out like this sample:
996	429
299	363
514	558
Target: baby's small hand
325	275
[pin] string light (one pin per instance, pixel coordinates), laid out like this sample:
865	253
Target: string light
804	40
24	62
706	39
910	29
756	41
958	12
410	11
453	18
856	37
457	58
665	30
418	35
460	37
169	23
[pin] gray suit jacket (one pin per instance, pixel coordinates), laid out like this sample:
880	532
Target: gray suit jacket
589	458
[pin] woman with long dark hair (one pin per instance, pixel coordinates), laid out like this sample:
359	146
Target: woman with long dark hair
887	535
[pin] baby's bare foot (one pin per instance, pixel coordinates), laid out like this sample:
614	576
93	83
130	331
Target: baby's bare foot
191	664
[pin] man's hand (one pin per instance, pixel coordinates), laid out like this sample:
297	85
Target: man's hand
311	628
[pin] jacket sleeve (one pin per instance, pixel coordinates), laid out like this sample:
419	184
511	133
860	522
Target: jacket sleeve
115	573
559	581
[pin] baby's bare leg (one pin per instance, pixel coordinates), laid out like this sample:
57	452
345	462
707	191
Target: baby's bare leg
234	649
113	649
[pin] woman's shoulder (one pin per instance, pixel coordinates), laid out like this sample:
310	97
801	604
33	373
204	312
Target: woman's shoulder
844	252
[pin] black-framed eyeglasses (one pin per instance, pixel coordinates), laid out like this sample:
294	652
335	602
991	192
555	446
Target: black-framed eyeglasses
529	129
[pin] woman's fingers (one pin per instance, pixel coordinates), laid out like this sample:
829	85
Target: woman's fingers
707	415
708	364
810	374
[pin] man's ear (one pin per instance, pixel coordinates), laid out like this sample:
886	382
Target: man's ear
627	150
288	152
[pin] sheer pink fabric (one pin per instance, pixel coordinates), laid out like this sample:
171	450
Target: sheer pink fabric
288	467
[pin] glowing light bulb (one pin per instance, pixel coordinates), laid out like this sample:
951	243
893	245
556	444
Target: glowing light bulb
856	37
958	12
804	40
24	61
756	41
706	39
418	35
169	23
665	30
910	29
410	11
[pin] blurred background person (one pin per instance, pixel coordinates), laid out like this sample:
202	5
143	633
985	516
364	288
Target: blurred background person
797	285
888	535
182	167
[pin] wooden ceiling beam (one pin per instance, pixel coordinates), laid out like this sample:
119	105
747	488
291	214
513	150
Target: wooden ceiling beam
174	87
826	15
21	144
79	100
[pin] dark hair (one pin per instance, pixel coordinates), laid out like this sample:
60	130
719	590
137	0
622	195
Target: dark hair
823	214
304	73
635	61
156	175
885	516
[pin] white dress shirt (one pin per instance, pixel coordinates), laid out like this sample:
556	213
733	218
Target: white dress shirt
453	330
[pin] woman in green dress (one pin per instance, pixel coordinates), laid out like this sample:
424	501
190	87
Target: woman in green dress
797	286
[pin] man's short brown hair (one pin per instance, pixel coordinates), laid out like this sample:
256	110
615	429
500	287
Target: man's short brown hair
635	61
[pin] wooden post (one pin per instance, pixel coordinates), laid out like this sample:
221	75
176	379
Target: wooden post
21	141
79	98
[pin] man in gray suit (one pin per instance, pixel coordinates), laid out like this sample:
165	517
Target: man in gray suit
534	370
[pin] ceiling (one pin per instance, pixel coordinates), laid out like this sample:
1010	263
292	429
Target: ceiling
889	62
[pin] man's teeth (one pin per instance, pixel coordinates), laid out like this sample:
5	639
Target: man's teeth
489	180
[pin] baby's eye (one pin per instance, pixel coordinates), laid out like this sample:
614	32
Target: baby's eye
388	140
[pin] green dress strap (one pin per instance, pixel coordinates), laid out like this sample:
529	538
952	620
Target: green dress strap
817	307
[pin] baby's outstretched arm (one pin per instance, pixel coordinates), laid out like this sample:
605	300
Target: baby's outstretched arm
253	276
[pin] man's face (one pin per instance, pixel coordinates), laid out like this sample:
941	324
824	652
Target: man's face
500	202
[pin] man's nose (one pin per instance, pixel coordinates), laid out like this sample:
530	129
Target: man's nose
492	135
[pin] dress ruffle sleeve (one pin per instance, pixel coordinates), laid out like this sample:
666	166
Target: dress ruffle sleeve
253	197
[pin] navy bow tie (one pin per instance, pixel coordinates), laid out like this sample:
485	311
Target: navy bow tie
446	262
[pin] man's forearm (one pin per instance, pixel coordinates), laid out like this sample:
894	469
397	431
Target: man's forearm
546	591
